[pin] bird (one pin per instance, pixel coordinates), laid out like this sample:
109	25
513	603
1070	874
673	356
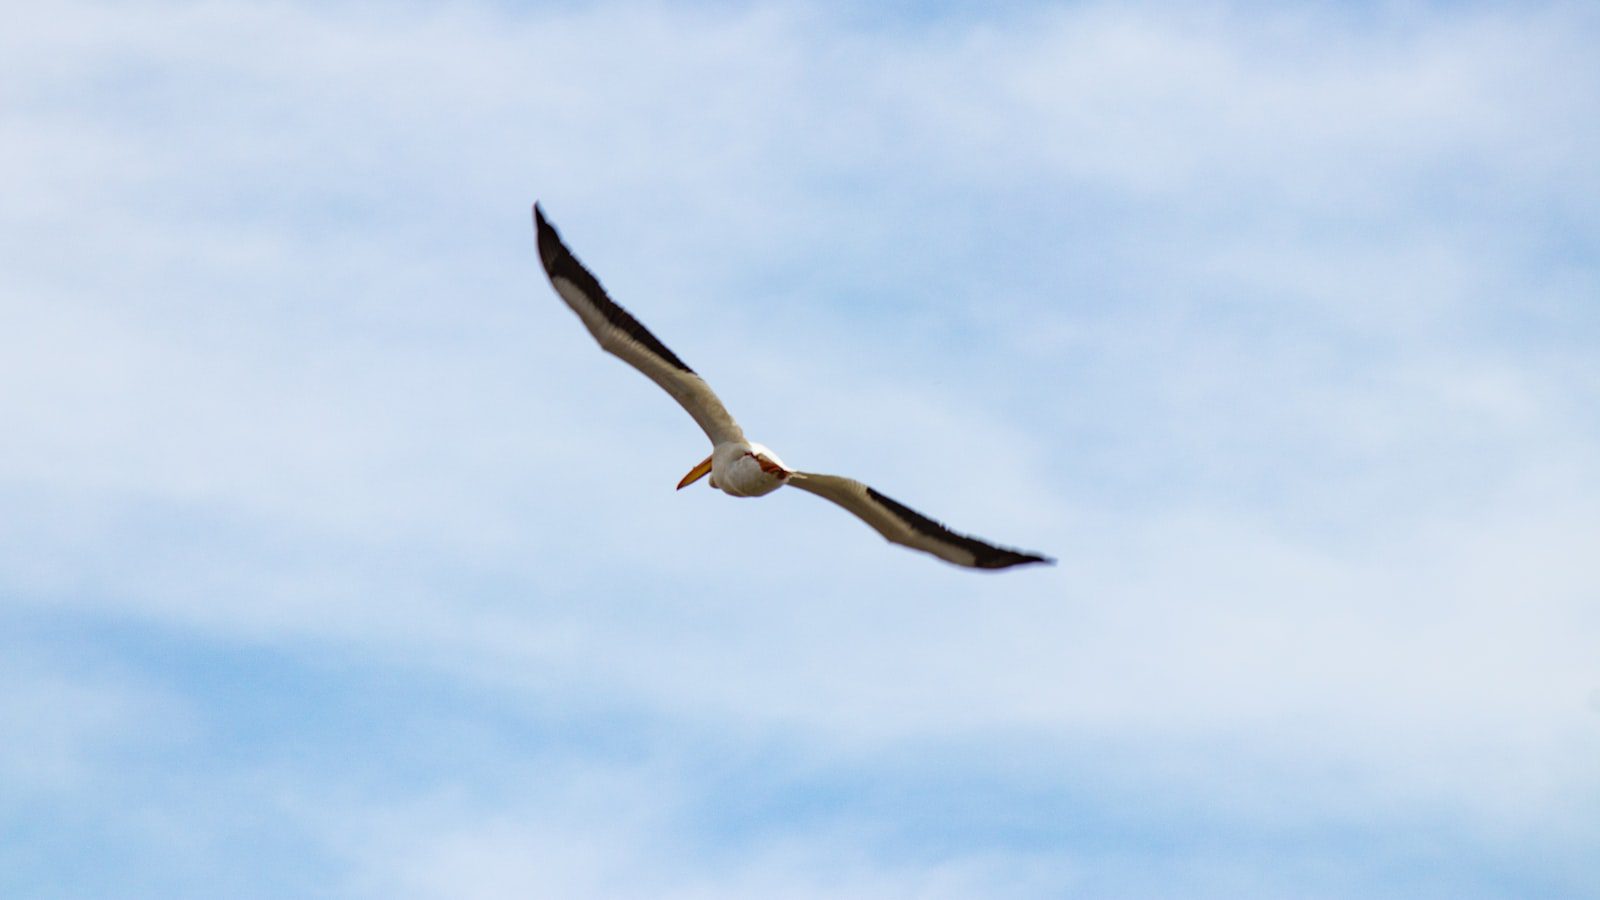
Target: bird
740	467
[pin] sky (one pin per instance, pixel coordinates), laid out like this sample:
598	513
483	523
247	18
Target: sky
337	561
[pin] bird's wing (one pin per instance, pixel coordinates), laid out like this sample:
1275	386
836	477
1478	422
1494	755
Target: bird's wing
621	335
907	527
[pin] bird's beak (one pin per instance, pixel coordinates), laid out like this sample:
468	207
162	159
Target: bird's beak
696	473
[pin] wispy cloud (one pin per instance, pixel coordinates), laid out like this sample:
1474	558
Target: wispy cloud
1273	324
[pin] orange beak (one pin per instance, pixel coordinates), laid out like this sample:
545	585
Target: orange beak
696	473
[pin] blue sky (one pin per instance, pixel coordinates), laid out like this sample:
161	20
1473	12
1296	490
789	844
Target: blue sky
338	562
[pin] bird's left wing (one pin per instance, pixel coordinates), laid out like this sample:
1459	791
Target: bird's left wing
621	335
903	525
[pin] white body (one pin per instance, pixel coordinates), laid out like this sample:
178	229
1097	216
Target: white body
736	469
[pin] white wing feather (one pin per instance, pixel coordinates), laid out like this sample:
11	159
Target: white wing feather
621	335
905	526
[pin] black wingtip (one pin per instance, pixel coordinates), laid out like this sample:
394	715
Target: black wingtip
559	263
549	241
1005	559
984	555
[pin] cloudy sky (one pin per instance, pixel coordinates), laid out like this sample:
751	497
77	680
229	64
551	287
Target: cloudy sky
336	561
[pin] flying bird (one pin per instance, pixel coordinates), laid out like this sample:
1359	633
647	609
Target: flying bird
739	467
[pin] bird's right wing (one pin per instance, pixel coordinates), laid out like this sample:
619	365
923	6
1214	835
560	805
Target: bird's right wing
907	527
621	335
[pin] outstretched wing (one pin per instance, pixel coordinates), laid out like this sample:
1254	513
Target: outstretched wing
907	527
621	335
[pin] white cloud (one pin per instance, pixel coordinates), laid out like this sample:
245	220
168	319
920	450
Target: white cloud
1274	351
58	731
617	833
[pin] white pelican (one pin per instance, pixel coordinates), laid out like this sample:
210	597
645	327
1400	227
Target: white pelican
739	467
